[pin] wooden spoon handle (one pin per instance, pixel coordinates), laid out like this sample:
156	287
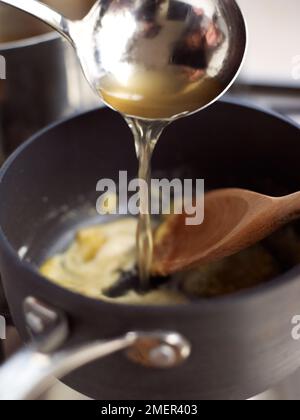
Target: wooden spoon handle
290	207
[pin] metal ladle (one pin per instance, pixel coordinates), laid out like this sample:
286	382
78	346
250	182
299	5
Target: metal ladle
153	61
187	40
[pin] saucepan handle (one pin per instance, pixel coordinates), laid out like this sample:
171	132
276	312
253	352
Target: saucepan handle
31	371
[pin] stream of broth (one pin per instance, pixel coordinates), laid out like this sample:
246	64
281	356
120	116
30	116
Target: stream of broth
146	135
149	100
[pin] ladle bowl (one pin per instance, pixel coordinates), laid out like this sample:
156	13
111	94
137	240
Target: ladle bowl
186	51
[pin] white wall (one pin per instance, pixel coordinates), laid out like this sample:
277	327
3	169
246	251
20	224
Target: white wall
274	29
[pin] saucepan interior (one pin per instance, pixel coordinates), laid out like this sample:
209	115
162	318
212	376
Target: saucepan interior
48	190
52	184
17	26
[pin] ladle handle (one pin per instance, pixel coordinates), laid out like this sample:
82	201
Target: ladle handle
44	13
29	373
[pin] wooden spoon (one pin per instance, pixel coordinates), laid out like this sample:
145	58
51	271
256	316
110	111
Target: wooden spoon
233	220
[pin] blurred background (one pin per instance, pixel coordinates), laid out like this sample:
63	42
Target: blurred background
44	84
271	73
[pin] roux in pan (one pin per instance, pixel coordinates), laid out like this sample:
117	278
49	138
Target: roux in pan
99	255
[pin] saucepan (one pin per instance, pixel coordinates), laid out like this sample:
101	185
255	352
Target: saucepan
37	60
38	89
229	347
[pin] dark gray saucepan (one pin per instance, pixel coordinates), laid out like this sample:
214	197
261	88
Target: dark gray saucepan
240	344
37	91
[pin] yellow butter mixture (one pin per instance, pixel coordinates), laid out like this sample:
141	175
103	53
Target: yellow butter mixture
95	261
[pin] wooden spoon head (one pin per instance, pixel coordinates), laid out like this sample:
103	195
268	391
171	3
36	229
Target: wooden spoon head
233	220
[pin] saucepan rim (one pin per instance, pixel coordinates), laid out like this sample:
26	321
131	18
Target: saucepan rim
48	36
28	42
288	278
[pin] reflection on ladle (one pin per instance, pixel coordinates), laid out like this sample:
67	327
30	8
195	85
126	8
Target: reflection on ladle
153	61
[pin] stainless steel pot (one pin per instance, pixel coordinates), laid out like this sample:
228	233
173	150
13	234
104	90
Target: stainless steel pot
43	78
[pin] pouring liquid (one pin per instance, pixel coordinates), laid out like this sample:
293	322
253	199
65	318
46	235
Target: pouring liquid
149	100
146	134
